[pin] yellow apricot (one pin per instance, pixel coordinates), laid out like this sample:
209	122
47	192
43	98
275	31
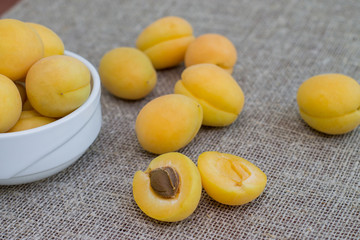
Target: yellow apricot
127	73
165	41
182	203
53	45
30	119
330	103
21	88
230	179
20	47
216	90
10	104
168	123
57	85
212	48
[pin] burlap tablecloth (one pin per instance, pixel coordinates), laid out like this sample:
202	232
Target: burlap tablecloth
313	189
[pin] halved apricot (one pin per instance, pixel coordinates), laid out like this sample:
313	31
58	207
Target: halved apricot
169	189
230	179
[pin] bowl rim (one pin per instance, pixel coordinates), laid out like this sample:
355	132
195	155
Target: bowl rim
95	90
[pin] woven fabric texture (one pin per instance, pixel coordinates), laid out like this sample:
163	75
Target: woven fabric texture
313	189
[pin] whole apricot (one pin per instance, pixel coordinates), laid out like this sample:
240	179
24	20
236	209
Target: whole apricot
168	123
10	104
53	45
165	41
127	73
219	94
169	189
57	85
230	179
212	48
20	47
330	103
30	119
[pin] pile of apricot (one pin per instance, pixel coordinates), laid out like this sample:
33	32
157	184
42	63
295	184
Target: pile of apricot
38	83
206	94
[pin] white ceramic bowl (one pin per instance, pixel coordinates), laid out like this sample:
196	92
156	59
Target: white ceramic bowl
38	153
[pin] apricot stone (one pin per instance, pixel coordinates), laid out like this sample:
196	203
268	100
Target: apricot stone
219	94
53	45
168	123
20	47
230	179
212	48
127	73
183	202
165	41
330	103
57	85
30	119
10	104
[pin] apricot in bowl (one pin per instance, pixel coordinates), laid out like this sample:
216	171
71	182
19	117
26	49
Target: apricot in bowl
127	73
230	179
46	150
169	189
20	47
10	104
330	103
220	96
165	41
53	45
212	48
57	85
168	123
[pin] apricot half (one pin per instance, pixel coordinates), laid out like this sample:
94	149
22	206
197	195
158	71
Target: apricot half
230	179
53	45
165	41
212	48
220	96
330	103
20	47
10	104
170	188
30	119
168	123
127	73
57	85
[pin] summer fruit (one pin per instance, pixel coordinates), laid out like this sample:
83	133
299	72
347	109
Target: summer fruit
330	103
168	123
169	189
230	179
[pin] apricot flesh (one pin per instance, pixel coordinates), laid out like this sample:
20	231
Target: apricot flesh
187	198
53	45
230	179
20	47
330	103
212	48
220	96
30	119
57	85
165	41
127	73
10	104
168	123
